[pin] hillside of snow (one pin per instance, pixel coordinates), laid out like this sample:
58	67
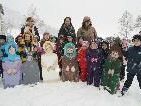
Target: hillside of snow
66	94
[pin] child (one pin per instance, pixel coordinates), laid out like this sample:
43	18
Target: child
60	52
49	63
79	42
133	63
2	41
46	37
105	49
94	59
111	71
83	61
70	70
11	66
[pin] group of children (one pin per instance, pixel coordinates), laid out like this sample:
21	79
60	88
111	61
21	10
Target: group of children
28	60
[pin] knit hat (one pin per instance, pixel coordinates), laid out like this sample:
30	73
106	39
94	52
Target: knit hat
3	37
136	37
86	18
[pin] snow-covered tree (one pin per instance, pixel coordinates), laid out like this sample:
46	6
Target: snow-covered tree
137	24
32	12
1	20
126	24
40	23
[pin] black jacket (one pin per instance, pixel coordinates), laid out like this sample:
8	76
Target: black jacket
133	56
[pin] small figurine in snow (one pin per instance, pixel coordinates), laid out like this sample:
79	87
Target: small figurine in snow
11	65
70	70
94	62
133	56
111	71
49	61
83	61
30	67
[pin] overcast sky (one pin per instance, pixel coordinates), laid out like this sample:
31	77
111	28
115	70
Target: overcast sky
104	13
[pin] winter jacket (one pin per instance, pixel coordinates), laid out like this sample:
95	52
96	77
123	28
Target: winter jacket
67	31
89	34
35	31
134	60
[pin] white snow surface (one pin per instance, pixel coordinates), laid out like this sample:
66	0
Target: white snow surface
57	93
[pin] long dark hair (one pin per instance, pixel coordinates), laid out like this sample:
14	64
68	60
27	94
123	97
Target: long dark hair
63	25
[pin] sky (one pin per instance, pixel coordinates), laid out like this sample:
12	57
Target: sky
104	13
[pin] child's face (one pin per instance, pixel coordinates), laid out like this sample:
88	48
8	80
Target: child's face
104	46
70	50
12	50
61	40
47	36
48	48
137	42
114	54
27	37
19	39
70	39
2	41
35	48
80	40
94	45
35	39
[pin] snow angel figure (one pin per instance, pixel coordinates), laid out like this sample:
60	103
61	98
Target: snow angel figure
11	65
49	62
70	70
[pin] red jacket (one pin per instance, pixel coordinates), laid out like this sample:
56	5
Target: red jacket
82	58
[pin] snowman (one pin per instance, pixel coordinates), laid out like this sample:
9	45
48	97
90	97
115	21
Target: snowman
49	62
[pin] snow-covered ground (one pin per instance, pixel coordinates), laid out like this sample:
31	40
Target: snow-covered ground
66	94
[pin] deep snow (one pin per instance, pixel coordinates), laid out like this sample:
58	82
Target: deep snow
66	94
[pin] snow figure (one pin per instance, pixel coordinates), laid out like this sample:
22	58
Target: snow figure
94	62
111	71
11	65
70	70
83	61
49	61
30	66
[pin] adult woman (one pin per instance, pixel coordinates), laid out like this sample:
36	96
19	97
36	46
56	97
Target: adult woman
87	31
67	29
